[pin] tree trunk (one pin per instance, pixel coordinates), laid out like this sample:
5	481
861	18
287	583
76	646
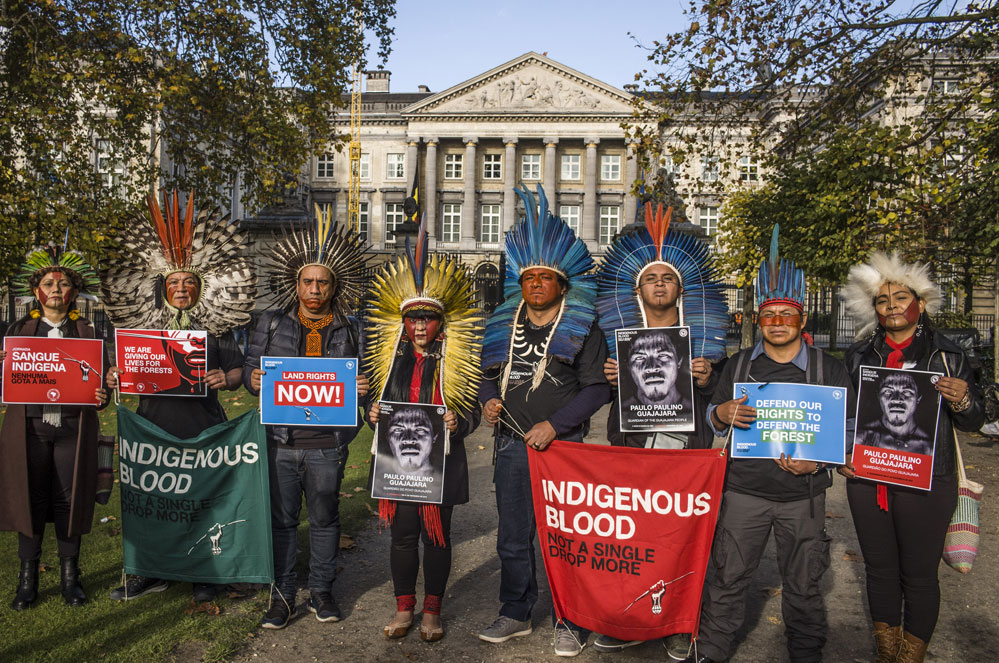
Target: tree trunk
748	295
969	288
834	319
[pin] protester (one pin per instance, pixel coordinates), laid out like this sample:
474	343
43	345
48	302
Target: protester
423	340
656	278
543	359
784	495
171	273
901	530
50	452
313	279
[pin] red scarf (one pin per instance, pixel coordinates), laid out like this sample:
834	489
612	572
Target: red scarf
894	361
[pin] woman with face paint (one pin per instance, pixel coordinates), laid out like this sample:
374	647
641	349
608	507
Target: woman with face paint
50	452
423	340
901	530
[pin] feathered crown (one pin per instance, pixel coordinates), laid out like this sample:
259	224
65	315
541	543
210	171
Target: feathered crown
865	280
779	281
543	240
437	283
51	255
326	244
702	303
203	242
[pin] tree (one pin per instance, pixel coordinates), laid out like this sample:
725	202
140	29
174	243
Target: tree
97	97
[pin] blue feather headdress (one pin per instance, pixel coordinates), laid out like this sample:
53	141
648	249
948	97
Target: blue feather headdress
543	240
702	303
779	281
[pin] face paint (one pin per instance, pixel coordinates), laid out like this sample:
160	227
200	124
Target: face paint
422	331
182	289
793	320
888	302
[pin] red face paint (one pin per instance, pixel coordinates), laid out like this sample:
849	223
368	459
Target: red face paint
788	320
911	313
422	331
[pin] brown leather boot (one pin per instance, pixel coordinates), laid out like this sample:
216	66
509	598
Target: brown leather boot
912	650
888	640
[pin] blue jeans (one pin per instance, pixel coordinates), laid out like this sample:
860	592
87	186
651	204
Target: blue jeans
516	530
317	473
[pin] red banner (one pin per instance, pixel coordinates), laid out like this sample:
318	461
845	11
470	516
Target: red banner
626	534
52	371
167	362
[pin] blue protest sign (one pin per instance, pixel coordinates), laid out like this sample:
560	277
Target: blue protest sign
308	391
803	421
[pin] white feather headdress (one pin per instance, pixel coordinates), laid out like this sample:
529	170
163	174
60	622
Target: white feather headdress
866	279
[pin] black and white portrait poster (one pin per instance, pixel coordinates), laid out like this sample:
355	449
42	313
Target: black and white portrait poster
409	463
655	387
897	412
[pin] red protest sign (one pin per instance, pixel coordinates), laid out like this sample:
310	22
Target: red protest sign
52	371
165	362
626	534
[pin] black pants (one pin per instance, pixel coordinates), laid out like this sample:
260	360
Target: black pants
407	530
902	548
51	458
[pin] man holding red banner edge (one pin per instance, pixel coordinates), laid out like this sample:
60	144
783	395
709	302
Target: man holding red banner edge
785	495
543	360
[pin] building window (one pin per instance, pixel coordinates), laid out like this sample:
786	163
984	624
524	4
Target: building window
451	226
570	166
943	86
610	222
394	216
362	221
570	214
109	168
708	220
610	167
530	167
492	166
489	224
324	166
709	169
364	166
452	166
749	170
395	166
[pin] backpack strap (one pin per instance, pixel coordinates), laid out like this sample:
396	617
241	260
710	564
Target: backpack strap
814	373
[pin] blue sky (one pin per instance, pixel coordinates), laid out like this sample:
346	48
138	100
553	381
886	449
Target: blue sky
440	43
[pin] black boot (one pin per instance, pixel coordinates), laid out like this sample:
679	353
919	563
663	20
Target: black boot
72	592
27	585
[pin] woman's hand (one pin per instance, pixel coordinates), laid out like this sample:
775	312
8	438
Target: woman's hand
492	409
112	378
952	389
375	413
610	371
451	421
255	378
847	469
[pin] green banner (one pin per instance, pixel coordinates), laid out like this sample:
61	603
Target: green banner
198	509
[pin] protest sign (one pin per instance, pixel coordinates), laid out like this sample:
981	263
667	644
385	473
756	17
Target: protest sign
308	391
165	362
52	371
197	509
409	463
655	387
802	421
626	533
897	413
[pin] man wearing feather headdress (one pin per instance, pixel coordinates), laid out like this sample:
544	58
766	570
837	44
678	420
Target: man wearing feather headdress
786	495
314	278
543	359
658	278
182	272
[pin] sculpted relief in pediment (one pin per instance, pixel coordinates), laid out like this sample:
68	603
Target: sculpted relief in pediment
531	90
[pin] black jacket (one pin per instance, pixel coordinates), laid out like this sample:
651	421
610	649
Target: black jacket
866	352
279	334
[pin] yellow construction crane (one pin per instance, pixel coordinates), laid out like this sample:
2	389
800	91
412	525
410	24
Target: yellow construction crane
354	190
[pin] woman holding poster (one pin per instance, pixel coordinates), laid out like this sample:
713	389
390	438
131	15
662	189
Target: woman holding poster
423	345
50	465
901	529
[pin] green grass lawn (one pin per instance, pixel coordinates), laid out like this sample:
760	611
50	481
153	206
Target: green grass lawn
158	627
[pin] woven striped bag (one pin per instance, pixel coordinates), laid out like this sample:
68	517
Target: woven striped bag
961	543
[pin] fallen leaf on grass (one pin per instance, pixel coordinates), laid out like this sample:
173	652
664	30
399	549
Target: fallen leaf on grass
357	489
773	619
113	531
370	509
346	496
482	447
346	542
773	591
851	556
44	567
833	515
368	461
206	608
353	467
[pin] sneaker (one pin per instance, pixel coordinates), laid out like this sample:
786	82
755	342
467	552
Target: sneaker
607	643
678	646
137	586
505	628
277	615
567	641
204	592
324	607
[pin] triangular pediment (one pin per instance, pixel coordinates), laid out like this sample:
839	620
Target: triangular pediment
531	84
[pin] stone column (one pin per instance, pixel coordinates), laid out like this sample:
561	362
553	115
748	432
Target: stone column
550	170
589	221
509	182
428	200
630	175
468	201
412	154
